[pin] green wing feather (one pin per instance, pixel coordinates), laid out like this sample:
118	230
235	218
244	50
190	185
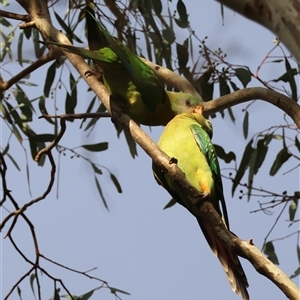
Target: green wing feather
207	148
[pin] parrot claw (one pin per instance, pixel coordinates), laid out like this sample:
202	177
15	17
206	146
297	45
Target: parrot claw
89	73
202	197
173	160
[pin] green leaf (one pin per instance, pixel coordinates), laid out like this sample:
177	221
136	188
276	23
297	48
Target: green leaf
224	88
36	43
43	109
96	169
13	161
298	253
35	147
183	17
269	250
169	35
170	204
45	137
252	160
24	104
65	27
96	147
101	193
246	124
231	115
243	166
131	144
19	292
116	183
297	143
233	85
291	80
243	75
56	294
293	209
5	112
182	54
20	49
28	181
49	79
70	104
282	156
93	121
227	157
296	273
73	87
262	149
87	296
115	290
31	279
157	6
27	32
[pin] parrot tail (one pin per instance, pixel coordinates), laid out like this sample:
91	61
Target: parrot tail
229	261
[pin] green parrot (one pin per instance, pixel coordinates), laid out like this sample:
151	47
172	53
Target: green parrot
187	139
132	83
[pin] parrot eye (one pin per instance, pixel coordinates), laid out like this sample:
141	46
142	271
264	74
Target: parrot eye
188	103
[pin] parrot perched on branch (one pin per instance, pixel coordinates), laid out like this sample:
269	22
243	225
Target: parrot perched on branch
187	139
132	83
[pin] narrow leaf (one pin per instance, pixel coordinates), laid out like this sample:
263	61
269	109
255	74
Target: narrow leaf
19	292
96	147
170	204
246	124
32	278
20	48
96	169
182	54
224	88
131	144
101	193
49	79
116	183
86	296
227	157
296	273
243	75
269	250
293	209
243	166
282	156
115	290
297	143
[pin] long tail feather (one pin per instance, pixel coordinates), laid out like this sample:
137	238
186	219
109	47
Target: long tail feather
229	261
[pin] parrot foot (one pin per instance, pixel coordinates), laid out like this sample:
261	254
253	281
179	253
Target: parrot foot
89	73
173	160
202	197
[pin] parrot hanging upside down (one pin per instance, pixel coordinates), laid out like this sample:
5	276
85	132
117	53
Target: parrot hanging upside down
132	83
187	139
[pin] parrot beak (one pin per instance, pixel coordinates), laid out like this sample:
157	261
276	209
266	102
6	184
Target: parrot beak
199	110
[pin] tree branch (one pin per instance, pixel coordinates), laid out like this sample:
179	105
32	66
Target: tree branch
283	102
14	16
281	17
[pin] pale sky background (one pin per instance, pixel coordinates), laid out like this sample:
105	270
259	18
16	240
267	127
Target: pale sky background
138	247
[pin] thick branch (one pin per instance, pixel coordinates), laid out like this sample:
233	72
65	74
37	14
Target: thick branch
281	17
283	102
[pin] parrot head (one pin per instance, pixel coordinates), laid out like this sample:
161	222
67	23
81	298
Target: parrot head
183	102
